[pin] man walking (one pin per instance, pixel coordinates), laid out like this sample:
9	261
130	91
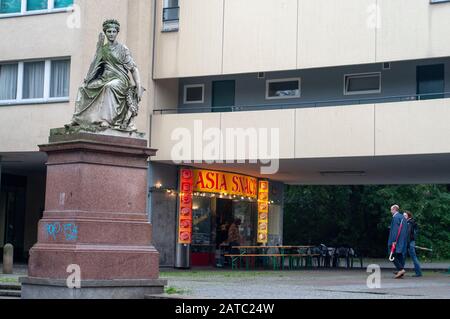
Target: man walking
412	235
397	243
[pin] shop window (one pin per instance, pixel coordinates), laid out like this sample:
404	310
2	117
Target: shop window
194	94
366	83
283	89
202	221
274	220
34	81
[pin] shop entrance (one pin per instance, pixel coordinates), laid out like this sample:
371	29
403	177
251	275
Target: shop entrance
212	218
224	218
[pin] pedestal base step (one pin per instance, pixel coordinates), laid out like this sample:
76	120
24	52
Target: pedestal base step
6	293
41	288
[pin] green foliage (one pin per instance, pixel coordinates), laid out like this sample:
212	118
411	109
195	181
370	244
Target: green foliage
174	291
359	216
9	280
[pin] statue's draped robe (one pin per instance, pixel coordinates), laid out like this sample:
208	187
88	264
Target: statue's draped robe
103	97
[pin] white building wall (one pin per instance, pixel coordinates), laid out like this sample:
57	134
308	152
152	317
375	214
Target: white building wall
386	129
234	36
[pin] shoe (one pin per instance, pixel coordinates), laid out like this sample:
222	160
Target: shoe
400	274
417	276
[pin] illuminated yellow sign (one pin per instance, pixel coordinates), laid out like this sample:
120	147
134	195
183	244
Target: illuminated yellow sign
263	212
225	183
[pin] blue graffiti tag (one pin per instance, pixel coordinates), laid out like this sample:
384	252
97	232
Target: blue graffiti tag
53	230
70	231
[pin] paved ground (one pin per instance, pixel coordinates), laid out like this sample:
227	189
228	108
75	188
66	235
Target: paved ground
308	284
341	284
385	264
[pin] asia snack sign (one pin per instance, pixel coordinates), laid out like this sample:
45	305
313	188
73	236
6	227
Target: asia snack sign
263	212
185	213
225	183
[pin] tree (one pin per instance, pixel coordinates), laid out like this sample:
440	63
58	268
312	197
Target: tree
359	216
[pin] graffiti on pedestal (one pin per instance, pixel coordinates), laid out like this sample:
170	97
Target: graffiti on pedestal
68	230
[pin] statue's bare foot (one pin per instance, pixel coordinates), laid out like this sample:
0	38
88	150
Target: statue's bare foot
104	125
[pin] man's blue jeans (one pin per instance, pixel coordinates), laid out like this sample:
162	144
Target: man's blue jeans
412	253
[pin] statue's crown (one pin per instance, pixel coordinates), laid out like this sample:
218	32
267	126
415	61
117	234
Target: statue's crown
111	23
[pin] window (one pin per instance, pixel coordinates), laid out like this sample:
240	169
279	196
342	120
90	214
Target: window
59	80
366	83
33	5
10	6
34	81
283	89
24	7
171	15
8	81
62	4
194	94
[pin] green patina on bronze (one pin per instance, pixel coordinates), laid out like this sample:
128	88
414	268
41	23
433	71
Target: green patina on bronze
71	130
107	99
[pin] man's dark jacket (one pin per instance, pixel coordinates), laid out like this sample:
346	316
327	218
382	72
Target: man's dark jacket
402	242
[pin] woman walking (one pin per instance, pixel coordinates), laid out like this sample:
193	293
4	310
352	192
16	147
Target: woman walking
412	235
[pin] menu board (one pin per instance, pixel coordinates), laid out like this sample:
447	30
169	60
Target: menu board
263	212
185	213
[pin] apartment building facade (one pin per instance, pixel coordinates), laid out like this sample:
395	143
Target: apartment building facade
356	92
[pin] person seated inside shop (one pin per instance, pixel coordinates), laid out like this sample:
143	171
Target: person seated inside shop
234	237
222	234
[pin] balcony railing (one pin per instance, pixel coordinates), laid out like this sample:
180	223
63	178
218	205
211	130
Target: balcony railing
312	104
171	14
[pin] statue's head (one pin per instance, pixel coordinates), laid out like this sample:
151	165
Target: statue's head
111	28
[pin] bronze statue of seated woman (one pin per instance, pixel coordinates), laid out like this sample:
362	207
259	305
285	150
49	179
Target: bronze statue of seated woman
107	98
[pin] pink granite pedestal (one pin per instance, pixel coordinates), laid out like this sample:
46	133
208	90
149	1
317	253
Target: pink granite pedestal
95	217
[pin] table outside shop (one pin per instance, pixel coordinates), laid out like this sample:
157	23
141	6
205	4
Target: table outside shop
249	254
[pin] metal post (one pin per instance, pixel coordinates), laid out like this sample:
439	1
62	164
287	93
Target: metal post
8	259
183	256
